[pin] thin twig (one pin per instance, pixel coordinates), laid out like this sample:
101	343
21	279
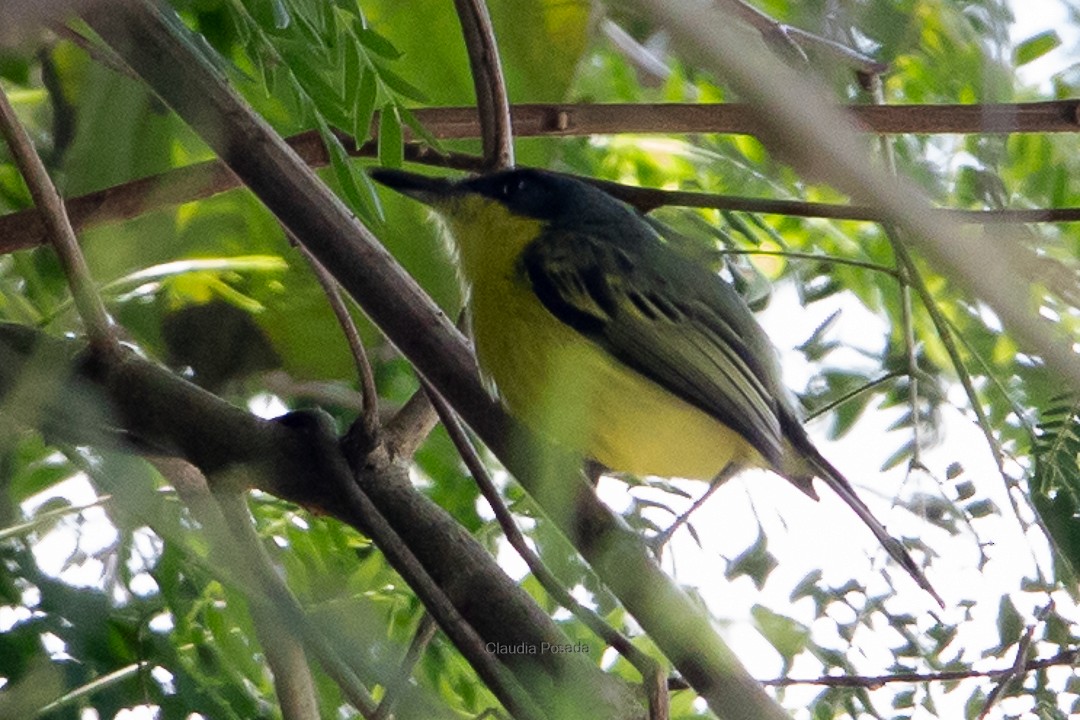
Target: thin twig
871	682
410	426
365	431
828	407
492	102
126	201
832	259
644	664
132	199
904	270
639	56
99	327
658	541
776	31
98	53
135	198
857	60
988	371
1017	671
945	334
425	631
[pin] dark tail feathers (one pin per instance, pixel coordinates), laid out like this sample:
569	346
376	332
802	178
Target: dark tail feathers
835	480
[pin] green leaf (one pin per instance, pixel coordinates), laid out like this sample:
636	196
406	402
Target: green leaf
1035	47
391	142
347	178
401	86
975	704
807	587
903	454
421	132
982	508
364	107
377	44
354	70
756	562
1009	622
788	636
965	490
904	699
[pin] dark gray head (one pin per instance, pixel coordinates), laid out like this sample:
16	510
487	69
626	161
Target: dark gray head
539	194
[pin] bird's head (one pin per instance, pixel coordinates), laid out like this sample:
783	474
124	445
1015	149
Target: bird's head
538	195
491	218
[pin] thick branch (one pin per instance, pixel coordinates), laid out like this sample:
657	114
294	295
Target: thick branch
46	383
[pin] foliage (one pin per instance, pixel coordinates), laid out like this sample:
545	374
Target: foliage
101	608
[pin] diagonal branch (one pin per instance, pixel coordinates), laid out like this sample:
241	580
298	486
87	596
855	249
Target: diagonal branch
649	669
227	524
99	327
74	400
793	38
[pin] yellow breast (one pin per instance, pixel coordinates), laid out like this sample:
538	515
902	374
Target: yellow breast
563	385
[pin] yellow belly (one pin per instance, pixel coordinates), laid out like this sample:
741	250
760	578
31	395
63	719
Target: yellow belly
566	387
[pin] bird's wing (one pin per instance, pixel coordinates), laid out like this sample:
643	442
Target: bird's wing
621	297
701	343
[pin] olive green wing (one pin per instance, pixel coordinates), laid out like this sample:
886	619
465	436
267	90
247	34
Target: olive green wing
670	320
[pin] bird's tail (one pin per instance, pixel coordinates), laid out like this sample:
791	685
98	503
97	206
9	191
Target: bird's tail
825	470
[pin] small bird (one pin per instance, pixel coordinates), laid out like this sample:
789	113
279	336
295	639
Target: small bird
597	334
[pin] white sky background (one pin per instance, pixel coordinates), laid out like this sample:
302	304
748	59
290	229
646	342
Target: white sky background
803	535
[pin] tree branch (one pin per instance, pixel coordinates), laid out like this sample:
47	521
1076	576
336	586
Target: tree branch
99	326
74	400
227	524
871	682
492	103
425	631
1018	670
364	434
648	668
773	31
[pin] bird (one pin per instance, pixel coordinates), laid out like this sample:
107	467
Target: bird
597	334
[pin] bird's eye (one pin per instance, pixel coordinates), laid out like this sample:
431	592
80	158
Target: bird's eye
512	187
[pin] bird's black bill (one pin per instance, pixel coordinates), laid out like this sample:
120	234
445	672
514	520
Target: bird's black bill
428	190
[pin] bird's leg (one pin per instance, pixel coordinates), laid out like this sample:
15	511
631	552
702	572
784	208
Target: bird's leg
658	541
